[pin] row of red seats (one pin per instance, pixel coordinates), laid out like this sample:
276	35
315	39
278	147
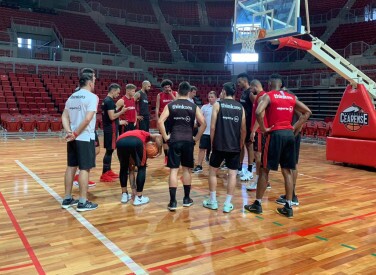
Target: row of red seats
30	123
317	129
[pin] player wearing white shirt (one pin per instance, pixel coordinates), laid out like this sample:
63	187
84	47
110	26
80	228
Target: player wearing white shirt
205	143
79	119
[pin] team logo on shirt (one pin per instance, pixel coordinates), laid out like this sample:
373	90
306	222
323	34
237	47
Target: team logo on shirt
353	118
236	119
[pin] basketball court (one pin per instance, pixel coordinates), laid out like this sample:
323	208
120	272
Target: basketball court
333	230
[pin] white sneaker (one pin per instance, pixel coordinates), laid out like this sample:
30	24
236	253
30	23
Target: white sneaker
252	186
125	197
240	173
250	174
140	201
246	175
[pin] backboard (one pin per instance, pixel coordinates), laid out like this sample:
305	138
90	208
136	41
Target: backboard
276	18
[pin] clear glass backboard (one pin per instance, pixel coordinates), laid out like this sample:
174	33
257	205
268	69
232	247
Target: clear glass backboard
273	18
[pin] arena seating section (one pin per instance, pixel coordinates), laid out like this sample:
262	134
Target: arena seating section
187	11
206	46
220	13
150	39
80	27
130	6
348	33
323	7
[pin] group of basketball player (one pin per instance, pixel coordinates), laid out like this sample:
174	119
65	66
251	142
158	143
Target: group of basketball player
267	125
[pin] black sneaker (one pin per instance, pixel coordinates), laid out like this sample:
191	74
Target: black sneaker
254	207
285	211
207	159
187	202
197	169
172	205
282	200
268	186
87	206
68	203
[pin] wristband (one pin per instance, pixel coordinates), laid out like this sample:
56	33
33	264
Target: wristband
75	134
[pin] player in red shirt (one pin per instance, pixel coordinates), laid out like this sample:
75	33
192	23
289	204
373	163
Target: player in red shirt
163	98
278	106
131	151
256	137
128	119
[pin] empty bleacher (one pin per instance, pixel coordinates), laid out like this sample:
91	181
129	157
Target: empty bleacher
151	40
220	13
205	46
81	32
180	13
348	33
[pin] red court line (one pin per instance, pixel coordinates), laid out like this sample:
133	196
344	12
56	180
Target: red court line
22	236
15	267
302	232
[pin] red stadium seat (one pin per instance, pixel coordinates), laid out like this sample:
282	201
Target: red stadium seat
55	124
28	124
311	128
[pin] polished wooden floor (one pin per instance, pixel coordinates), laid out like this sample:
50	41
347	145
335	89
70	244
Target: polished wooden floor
333	230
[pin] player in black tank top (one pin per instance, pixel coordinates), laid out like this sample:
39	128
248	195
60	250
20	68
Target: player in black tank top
227	135
247	98
141	98
182	119
181	115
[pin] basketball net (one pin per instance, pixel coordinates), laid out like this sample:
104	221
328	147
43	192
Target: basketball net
248	36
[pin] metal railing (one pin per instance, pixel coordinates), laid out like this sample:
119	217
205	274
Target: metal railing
106	11
122	13
214	22
178	21
201	39
150	56
198	79
72	70
67	42
352	15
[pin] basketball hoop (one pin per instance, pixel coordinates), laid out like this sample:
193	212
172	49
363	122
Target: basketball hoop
248	36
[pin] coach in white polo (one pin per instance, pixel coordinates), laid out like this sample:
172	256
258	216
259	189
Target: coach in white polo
79	119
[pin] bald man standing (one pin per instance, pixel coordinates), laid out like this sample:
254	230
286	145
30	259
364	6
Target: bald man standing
142	101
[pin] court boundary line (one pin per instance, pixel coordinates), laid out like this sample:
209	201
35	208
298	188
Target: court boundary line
336	182
113	248
15	267
302	233
22	236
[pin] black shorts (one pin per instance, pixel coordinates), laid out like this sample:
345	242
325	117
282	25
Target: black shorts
144	124
298	138
259	143
96	139
167	127
248	128
81	154
180	152
232	159
109	140
279	149
131	147
126	128
205	142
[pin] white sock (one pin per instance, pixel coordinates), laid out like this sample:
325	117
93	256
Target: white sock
213	196
228	199
259	200
289	203
77	171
